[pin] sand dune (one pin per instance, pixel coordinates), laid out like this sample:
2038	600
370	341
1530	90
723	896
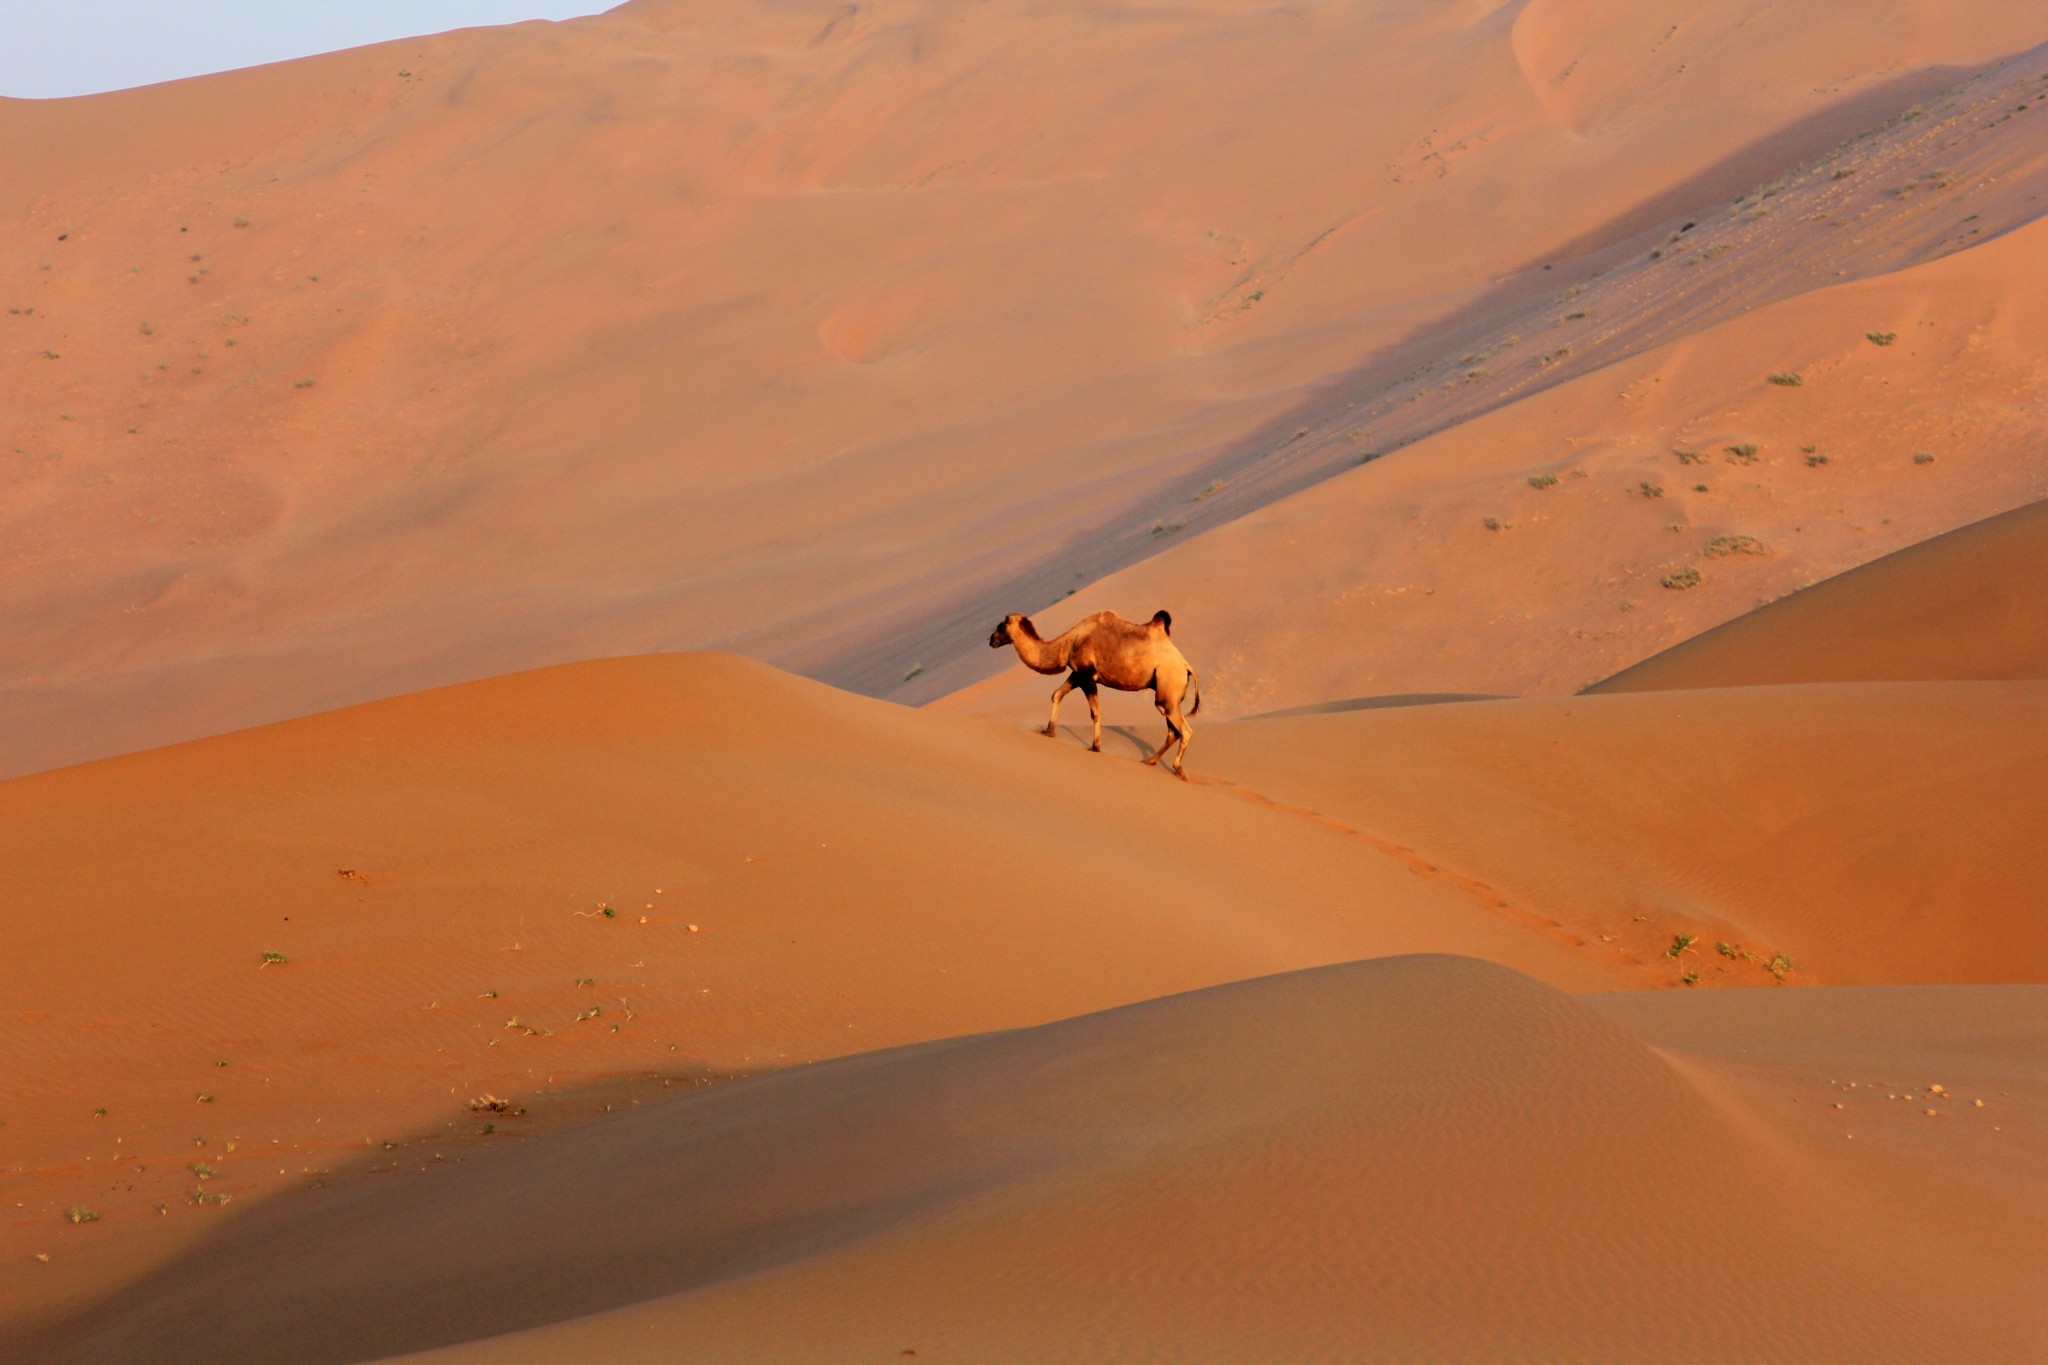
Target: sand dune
1421	1157
1871	832
1389	579
1424	360
861	875
1971	604
806	331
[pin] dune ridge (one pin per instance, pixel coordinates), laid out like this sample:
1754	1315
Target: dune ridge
858	874
1593	524
1872	832
1966	605
964	1200
804	332
408	951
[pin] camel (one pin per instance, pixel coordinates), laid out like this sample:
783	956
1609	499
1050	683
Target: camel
1106	649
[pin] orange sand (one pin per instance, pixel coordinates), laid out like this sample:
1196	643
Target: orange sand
1422	1157
829	335
646	1004
1972	604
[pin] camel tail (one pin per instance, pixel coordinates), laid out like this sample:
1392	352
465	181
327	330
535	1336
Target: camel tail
1195	684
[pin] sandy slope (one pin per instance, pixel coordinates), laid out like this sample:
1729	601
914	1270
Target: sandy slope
861	875
820	330
1873	832
1387	579
1417	1158
800	330
1970	604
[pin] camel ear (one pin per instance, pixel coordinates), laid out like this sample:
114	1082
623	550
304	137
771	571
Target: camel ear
1163	620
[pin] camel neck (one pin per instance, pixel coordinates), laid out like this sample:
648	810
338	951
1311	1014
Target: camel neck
1041	656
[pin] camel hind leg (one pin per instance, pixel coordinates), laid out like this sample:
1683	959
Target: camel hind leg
1177	728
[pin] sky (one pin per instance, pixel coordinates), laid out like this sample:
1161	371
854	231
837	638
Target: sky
51	48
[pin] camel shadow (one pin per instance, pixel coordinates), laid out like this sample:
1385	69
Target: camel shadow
1383	703
1115	739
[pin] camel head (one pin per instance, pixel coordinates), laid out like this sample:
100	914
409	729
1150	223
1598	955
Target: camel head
1007	631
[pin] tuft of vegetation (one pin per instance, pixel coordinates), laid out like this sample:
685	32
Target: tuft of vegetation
1577	316
1167	528
593	1012
1744	453
1815	460
79	1213
1843	173
1786	379
913	671
1681	943
1496	524
1691	978
1880	338
1650	490
1699	488
1681	580
1727	949
1691	456
1778	965
1543	481
304	383
1210	490
203	1097
1923	458
1723	546
273	958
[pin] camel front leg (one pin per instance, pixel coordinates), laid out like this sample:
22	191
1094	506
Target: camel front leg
1052	726
1095	717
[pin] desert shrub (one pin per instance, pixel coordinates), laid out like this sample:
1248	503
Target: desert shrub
1723	546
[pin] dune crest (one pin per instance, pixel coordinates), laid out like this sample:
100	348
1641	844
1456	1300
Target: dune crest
1350	1147
1967	605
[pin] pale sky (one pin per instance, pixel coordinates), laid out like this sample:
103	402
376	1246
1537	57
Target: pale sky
78	47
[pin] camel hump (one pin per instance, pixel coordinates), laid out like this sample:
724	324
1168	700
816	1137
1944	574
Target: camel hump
1164	620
